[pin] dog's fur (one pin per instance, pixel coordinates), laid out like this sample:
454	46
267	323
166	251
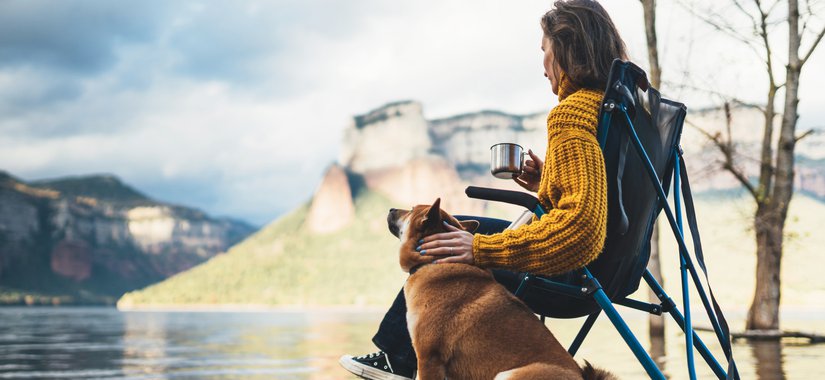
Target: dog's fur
463	324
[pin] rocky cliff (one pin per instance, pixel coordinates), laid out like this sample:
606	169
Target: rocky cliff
90	239
335	249
332	207
395	151
465	140
745	126
412	160
389	136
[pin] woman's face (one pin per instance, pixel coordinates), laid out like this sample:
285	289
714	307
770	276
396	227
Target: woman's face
551	69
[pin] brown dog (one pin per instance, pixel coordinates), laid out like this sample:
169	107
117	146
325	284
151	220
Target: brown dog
463	324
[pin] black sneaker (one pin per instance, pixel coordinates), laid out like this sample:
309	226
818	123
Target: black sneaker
376	366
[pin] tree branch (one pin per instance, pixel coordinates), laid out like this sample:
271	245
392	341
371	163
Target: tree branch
742	179
727	152
763	33
806	19
721	95
720	26
746	13
770	9
804	135
813	47
809	13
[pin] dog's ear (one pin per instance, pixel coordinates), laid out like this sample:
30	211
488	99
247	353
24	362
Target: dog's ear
434	214
469	225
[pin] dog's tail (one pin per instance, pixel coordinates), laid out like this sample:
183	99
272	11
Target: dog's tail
592	373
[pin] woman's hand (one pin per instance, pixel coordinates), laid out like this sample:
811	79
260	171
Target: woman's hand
454	246
531	176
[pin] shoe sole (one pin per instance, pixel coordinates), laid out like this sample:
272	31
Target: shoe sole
366	372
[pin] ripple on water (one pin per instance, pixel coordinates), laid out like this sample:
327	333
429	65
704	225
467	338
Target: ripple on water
100	343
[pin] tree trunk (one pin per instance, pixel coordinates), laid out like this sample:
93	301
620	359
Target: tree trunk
656	323
764	310
649	8
772	211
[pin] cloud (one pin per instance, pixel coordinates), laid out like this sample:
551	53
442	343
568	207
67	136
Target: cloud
22	90
77	37
191	143
238	107
246	42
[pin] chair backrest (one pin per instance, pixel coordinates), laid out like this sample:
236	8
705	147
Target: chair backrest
633	203
632	200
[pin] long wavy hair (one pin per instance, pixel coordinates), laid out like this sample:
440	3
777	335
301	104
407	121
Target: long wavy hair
584	41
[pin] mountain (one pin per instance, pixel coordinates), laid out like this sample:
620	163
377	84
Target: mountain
745	128
336	250
101	187
91	239
390	139
410	160
287	263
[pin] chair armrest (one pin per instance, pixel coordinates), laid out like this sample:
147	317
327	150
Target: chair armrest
507	196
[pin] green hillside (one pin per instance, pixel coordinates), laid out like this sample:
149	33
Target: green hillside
283	264
102	187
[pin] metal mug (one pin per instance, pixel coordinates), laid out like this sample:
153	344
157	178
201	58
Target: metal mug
506	160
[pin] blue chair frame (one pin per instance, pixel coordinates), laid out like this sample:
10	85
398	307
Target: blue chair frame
618	109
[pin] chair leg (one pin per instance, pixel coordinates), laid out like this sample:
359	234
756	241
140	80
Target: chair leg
588	324
680	320
700	346
644	358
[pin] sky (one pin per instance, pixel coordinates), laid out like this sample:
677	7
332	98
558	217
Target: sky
238	107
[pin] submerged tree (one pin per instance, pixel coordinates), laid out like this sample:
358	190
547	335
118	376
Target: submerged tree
656	323
773	188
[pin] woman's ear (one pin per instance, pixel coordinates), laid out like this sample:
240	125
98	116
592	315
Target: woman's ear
469	225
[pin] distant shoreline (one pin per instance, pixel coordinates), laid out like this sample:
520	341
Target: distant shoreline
732	313
793	312
253	308
228	308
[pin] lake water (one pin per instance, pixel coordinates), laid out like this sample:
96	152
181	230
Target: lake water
56	343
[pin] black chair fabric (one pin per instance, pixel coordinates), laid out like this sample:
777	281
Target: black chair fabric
632	199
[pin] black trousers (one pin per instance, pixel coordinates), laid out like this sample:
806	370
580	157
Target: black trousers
394	338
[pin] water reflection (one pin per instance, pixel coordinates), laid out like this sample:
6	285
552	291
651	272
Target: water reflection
145	345
768	357
39	343
103	343
246	345
657	352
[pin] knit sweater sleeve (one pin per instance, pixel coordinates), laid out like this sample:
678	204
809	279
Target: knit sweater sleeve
572	233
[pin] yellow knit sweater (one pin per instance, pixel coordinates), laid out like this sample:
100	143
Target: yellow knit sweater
573	188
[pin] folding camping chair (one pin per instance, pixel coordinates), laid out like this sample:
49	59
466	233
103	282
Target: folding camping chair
638	183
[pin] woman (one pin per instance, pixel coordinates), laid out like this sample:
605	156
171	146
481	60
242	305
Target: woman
579	43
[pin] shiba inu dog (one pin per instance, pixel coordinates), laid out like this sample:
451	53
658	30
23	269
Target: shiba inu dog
465	325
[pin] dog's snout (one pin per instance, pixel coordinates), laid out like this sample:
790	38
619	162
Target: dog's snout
391	222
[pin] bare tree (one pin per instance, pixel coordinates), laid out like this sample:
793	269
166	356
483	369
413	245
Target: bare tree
773	188
656	323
